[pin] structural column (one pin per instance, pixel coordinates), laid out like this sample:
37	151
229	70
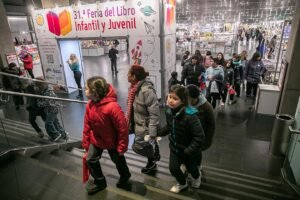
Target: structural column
291	86
6	41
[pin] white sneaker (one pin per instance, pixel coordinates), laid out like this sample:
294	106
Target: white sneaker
183	168
178	188
222	104
196	182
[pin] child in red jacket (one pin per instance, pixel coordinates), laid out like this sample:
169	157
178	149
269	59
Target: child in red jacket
105	127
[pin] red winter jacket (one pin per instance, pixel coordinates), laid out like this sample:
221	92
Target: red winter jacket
27	60
105	124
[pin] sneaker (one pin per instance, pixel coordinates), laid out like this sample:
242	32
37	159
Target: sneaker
65	136
229	102
222	103
41	134
92	188
150	168
178	188
123	181
196	182
55	139
79	96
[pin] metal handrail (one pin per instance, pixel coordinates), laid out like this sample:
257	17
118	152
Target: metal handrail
40	96
36	80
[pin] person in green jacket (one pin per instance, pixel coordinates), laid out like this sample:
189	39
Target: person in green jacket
74	65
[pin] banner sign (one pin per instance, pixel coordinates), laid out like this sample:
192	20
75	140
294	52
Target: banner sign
109	19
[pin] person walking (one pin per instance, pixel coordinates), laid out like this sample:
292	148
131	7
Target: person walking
13	83
52	125
254	72
34	110
105	127
112	54
143	116
74	66
192	72
186	138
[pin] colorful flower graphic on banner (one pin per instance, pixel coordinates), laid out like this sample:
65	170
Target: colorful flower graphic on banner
59	25
170	18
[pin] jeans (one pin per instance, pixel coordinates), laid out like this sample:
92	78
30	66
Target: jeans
93	157
32	117
53	126
192	165
77	77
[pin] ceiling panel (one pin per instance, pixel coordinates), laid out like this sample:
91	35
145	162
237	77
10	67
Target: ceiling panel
245	11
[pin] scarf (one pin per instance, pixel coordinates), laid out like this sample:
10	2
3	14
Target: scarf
130	100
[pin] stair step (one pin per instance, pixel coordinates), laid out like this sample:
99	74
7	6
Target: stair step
41	181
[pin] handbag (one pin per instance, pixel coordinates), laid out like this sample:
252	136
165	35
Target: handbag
231	91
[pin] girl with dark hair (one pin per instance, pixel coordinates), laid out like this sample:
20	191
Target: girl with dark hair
220	59
143	116
104	128
186	138
198	53
255	70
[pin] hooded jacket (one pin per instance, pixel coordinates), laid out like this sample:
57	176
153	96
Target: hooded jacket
146	110
186	135
105	125
207	118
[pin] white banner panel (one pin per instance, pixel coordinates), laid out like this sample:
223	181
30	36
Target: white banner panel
50	59
107	19
145	51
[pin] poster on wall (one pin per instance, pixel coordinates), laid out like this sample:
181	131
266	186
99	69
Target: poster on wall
12	58
145	51
119	18
51	64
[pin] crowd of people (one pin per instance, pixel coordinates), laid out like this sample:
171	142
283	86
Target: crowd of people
190	126
190	120
218	78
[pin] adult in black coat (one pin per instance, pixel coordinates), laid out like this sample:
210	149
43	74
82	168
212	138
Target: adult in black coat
192	71
112	54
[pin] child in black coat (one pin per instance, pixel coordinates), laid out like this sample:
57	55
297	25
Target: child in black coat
173	80
186	138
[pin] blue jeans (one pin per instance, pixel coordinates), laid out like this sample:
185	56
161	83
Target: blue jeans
53	126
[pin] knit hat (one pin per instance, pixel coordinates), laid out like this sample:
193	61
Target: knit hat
194	91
